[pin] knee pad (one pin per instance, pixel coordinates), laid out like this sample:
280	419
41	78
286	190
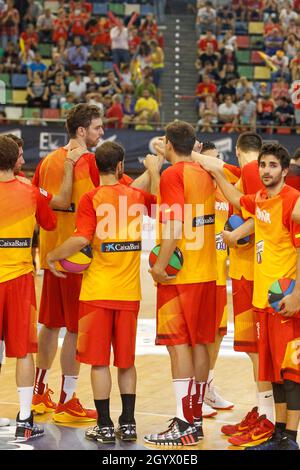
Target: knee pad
278	393
292	393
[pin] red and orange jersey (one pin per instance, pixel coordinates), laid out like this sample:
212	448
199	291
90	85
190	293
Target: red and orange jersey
21	206
49	175
187	193
232	173
111	218
221	216
276	238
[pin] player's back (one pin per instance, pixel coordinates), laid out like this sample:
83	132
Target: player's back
192	188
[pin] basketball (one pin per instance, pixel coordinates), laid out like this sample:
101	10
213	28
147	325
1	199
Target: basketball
175	262
234	222
278	290
78	262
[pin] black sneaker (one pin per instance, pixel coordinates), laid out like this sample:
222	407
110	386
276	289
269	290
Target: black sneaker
199	428
104	434
179	433
26	429
287	444
126	432
271	444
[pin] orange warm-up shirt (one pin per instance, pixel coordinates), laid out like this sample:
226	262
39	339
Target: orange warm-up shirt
110	217
49	175
276	238
190	190
21	206
221	213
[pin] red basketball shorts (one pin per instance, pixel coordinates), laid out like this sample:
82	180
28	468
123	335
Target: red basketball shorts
245	334
221	310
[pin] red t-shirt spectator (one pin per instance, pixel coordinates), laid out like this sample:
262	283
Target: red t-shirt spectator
30	39
210	88
202	44
115	111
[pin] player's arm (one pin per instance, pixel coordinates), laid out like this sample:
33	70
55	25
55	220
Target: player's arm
290	304
231	238
71	246
63	199
153	165
172	233
231	193
144	181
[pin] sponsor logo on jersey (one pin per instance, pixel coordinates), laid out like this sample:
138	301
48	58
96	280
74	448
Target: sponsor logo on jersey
263	215
15	242
118	247
204	220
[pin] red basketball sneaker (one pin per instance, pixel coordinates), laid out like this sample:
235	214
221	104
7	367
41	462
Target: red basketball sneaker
72	411
249	420
259	433
42	403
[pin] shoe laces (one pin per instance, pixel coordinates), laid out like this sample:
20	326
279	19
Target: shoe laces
77	404
248	415
173	422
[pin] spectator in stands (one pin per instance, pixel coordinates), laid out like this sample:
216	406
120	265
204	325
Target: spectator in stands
67	105
286	15
143	55
128	110
208	38
77	56
119	43
228	72
291	44
30	37
207	56
45	25
114	115
284	113
107	102
281	62
280	89
270	11
208	113
61	49
294	28
95	99
10	61
247	111
229	39
126	79
157	58
110	85
3	118
37	66
57	91
33	11
244	85
273	42
228	113
227	57
225	19
61	26
228	88
56	67
205	88
78	88
149	25
295	66
206	18
265	111
37	92
147	108
92	82
26	59
78	19
210	71
10	20
240	10
263	90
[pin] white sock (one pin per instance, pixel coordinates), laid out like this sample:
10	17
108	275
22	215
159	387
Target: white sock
68	387
210	378
41	380
183	394
266	404
25	398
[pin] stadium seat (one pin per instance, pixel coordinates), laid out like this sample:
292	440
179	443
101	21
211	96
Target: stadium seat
255	58
246	71
8	93
262	73
133	8
45	50
108	65
146	9
19	96
13	112
31	112
97	66
241	27
100	9
19	80
243	56
49	113
283	130
255	27
5	77
117	8
243	42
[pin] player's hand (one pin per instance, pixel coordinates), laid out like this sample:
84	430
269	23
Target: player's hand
159	276
229	238
74	153
198	146
153	163
159	145
289	305
53	269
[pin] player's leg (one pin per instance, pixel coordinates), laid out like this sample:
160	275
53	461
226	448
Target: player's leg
264	394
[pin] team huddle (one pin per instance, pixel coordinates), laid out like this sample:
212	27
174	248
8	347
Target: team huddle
81	199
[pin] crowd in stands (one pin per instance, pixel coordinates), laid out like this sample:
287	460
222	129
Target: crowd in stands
228	101
112	60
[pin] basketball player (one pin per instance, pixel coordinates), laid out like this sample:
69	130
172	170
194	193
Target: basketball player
21	206
110	292
277	242
185	305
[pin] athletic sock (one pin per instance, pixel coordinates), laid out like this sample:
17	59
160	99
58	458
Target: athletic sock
290	434
183	394
128	405
280	427
25	398
266	404
198	397
68	387
102	407
40	384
